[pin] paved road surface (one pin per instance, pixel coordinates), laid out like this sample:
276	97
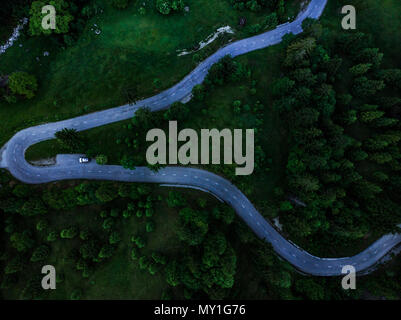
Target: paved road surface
67	167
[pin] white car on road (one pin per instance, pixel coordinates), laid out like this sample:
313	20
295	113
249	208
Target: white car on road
84	160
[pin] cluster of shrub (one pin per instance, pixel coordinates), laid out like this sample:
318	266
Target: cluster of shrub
259	5
18	85
206	266
164	7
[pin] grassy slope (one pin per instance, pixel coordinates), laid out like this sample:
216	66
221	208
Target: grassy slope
96	73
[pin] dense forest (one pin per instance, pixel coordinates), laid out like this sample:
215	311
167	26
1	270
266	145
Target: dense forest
342	110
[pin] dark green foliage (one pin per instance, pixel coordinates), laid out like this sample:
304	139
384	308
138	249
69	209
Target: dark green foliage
84	234
76	294
114	213
106	251
326	161
120	4
149	212
139	241
33	207
106	192
69	233
23	84
89	250
153	268
168	6
150	226
144	262
22	241
40	253
224	213
15	265
115	237
70	140
175	200
257	5
134	253
177	111
63	18
198	92
101	159
42	225
21	191
173	273
159	258
52	236
224	71
194	227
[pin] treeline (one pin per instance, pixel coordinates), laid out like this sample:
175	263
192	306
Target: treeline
258	5
341	109
276	14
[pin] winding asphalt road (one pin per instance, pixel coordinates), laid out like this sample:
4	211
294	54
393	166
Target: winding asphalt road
12	157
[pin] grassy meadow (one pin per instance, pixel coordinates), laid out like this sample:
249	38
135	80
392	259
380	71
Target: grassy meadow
103	71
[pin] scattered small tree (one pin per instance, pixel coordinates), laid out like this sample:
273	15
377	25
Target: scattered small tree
22	83
101	159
